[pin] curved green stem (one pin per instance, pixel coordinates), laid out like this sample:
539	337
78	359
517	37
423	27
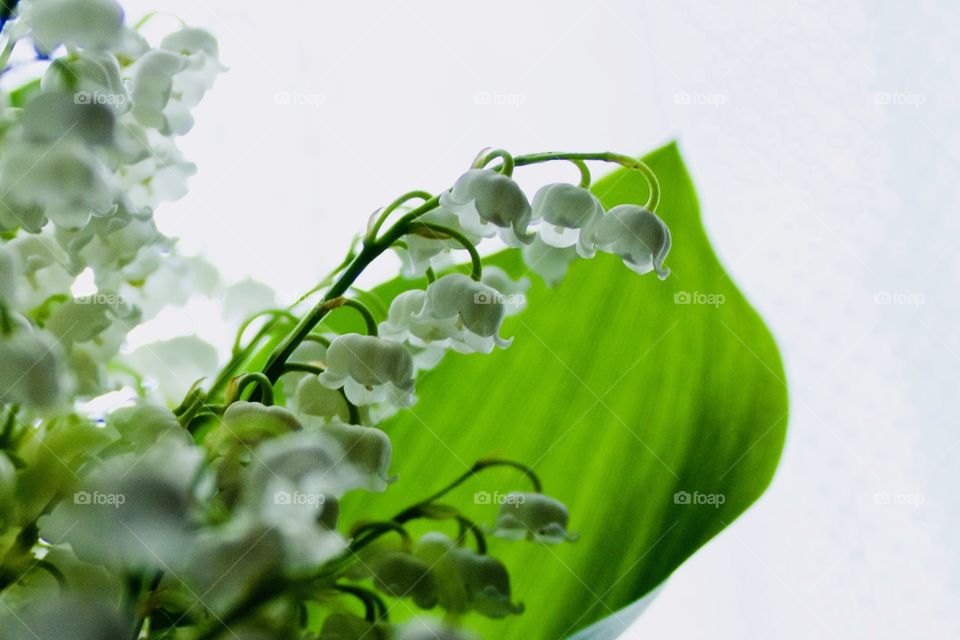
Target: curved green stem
393	206
585	178
508	161
264	387
274	313
604	156
479	466
440	232
375	608
302	367
368	318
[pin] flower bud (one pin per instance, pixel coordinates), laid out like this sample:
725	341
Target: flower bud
638	236
246	424
483	197
550	263
401	575
33	371
476	310
569	213
370	370
366	448
533	516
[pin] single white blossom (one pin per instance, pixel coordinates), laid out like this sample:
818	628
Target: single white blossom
486	201
370	369
568	214
533	516
85	24
467	313
638	236
33	370
550	263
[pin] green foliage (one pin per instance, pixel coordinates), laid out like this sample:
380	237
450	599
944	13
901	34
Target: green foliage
620	395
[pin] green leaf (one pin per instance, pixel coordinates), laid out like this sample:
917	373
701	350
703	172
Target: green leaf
620	396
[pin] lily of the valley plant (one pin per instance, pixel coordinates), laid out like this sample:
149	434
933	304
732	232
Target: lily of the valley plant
209	508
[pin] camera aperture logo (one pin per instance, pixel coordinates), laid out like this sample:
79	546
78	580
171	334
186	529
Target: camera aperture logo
696	498
95	498
484	297
486	497
297	498
699	298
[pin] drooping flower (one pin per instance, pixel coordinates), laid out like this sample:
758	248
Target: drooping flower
550	263
569	213
85	24
487	583
469	312
313	399
512	291
370	369
486	201
402	575
637	235
367	449
33	372
466	580
246	424
423	251
533	516
133	510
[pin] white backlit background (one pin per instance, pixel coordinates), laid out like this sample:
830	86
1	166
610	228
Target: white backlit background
825	145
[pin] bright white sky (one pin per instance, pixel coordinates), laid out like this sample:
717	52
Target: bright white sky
824	141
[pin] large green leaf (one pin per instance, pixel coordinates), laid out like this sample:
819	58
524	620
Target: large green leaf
620	396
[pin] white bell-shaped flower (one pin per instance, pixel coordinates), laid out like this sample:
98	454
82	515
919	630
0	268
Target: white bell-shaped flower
53	116
246	424
65	182
637	235
568	213
313	462
370	369
367	449
313	399
92	78
152	89
475	310
422	252
550	263
33	371
403	575
486	200
513	292
85	24
134	510
174	365
9	276
488	584
65	616
533	516
430	629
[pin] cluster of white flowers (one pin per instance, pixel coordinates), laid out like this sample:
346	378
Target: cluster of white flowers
217	510
88	153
